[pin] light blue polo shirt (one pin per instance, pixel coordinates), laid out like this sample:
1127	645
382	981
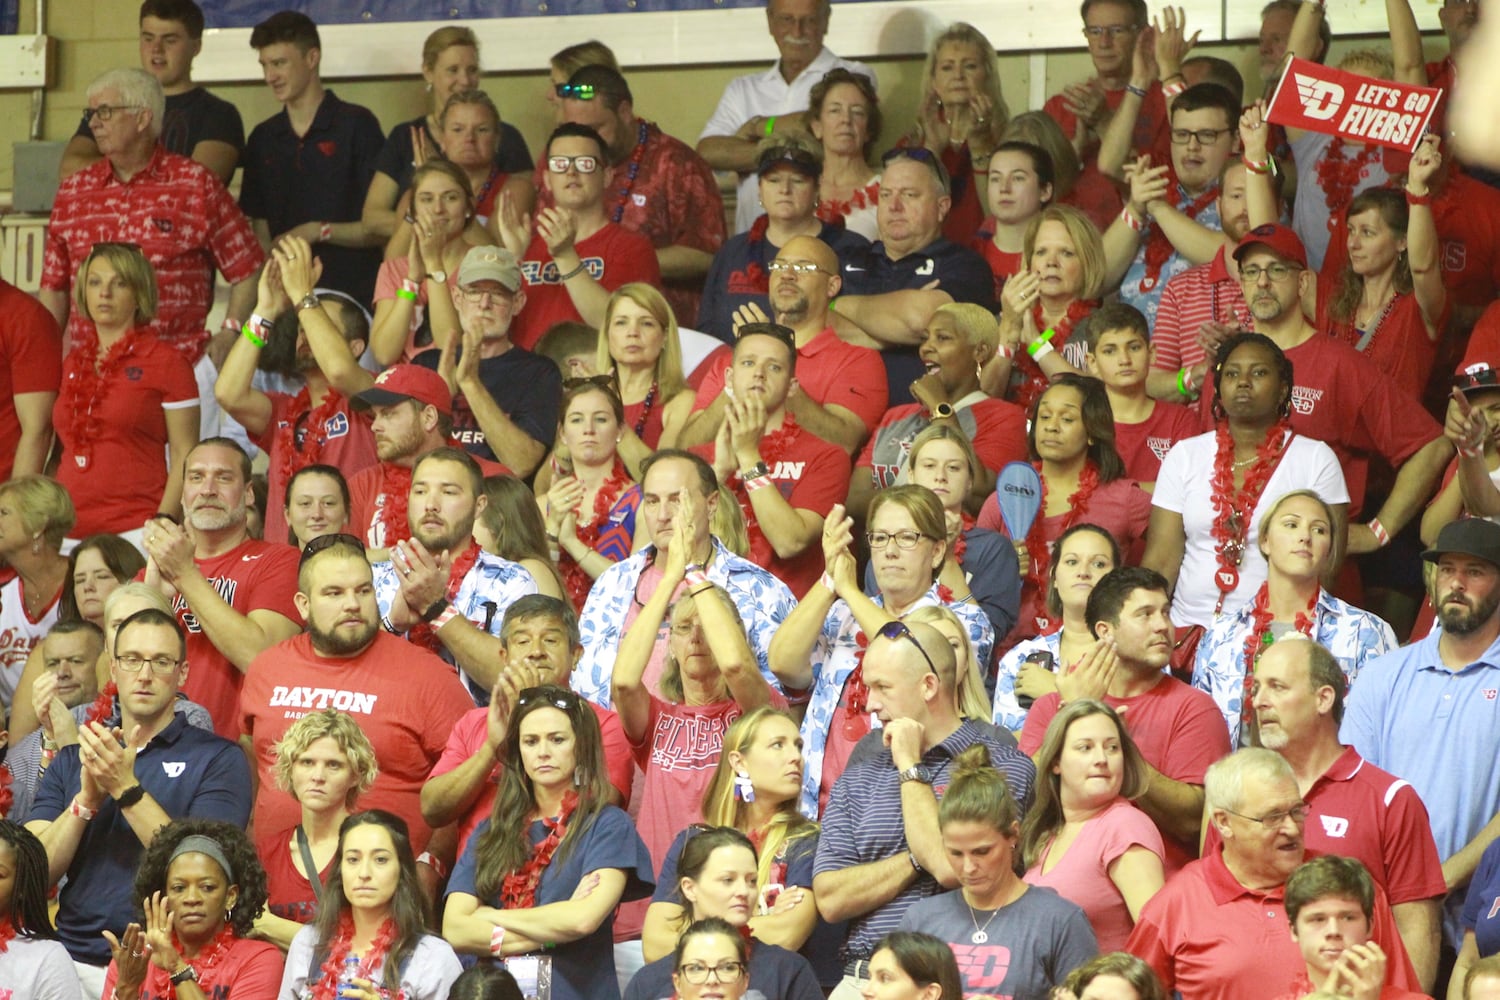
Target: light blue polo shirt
1440	730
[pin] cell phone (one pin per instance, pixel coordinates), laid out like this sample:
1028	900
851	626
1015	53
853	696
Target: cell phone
1046	661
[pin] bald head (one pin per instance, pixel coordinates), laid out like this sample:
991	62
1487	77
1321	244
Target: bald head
911	673
799	299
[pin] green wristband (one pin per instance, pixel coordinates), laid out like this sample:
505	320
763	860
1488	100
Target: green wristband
770	126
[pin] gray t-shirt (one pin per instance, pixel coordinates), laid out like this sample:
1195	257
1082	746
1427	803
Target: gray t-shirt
38	970
428	974
1032	944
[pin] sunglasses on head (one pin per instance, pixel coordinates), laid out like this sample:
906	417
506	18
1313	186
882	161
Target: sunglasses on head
556	697
325	542
602	381
577	91
898	629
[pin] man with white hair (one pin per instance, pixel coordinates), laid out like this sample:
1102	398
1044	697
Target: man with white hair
1217	930
177	211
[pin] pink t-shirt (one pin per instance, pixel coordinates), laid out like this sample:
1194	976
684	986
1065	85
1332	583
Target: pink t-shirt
1082	874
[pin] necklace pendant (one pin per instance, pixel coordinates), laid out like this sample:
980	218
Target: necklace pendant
1227	579
979	937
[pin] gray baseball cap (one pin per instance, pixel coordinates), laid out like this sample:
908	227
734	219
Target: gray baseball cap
490	264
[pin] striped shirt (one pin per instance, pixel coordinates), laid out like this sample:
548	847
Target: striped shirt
1206	293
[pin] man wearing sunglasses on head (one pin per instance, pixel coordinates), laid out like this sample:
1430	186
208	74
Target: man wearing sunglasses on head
572	255
880	850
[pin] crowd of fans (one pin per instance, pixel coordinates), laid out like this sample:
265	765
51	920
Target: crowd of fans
1058	561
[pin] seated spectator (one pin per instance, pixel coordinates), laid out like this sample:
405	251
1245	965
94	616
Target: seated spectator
888	292
1387	299
917	964
1119	355
590	512
843	114
568	60
196	124
317	504
1295	538
752	105
539	641
571	347
317	424
711	951
1033	934
789	169
640	346
973	698
960	119
659	187
438	589
959	340
1083	481
308	166
110	419
784	477
37	514
325	762
1080	558
572	254
1020	184
1084	838
1204	534
753	790
450	65
232	608
710	679
1043	308
488	366
1480	945
97	839
1178	730
821	646
1075	182
208	945
409	295
979	565
551	830
1255	806
404	699
717	878
510	526
31	354
471	138
34	959
376	936
67	679
840	393
1116	976
761	600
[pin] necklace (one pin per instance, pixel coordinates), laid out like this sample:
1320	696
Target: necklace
1159	249
300	438
1233	507
1036	538
632	171
86	381
979	936
575	577
646	405
1261	637
1337	175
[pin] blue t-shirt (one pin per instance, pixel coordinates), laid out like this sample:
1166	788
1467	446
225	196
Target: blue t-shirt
775	974
1482	903
582	969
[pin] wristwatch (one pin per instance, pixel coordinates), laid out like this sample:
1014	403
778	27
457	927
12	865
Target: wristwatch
942	411
309	301
186	974
130	796
916	772
758	469
441	277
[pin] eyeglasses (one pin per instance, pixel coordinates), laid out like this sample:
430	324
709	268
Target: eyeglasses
583	164
325	542
1250	273
905	540
161	666
478	294
1272	820
795	266
1205	136
105	112
577	91
1110	31
555	696
725	972
898	629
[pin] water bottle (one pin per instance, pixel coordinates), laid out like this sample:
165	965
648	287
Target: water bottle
347	977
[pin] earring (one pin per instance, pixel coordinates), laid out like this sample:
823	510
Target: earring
744	790
578	777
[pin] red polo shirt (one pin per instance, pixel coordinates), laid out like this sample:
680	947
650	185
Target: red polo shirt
1198	295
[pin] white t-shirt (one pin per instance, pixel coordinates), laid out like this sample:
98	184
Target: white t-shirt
1185	487
428	974
31	969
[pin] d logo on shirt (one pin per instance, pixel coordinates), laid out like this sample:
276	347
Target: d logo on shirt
174	768
1334	826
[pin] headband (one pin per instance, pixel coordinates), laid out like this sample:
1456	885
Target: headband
198	844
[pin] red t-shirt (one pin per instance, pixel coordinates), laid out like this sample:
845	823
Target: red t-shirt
247	968
1095	195
829	370
252	576
614	256
810	474
1150	127
1142	446
1484	342
348	445
405	699
367	497
121	481
470	732
1400	347
289	894
1179	730
30	361
1003	264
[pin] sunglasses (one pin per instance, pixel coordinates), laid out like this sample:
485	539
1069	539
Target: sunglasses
897	629
583	164
325	542
577	91
555	696
601	381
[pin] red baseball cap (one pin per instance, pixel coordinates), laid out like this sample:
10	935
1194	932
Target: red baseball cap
1278	239
402	382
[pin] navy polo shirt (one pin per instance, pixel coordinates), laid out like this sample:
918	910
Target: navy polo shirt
959	271
191	773
319	177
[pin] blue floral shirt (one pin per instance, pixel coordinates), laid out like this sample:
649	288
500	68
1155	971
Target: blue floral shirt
762	600
1008	711
1353	636
835	655
1149	299
491	585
